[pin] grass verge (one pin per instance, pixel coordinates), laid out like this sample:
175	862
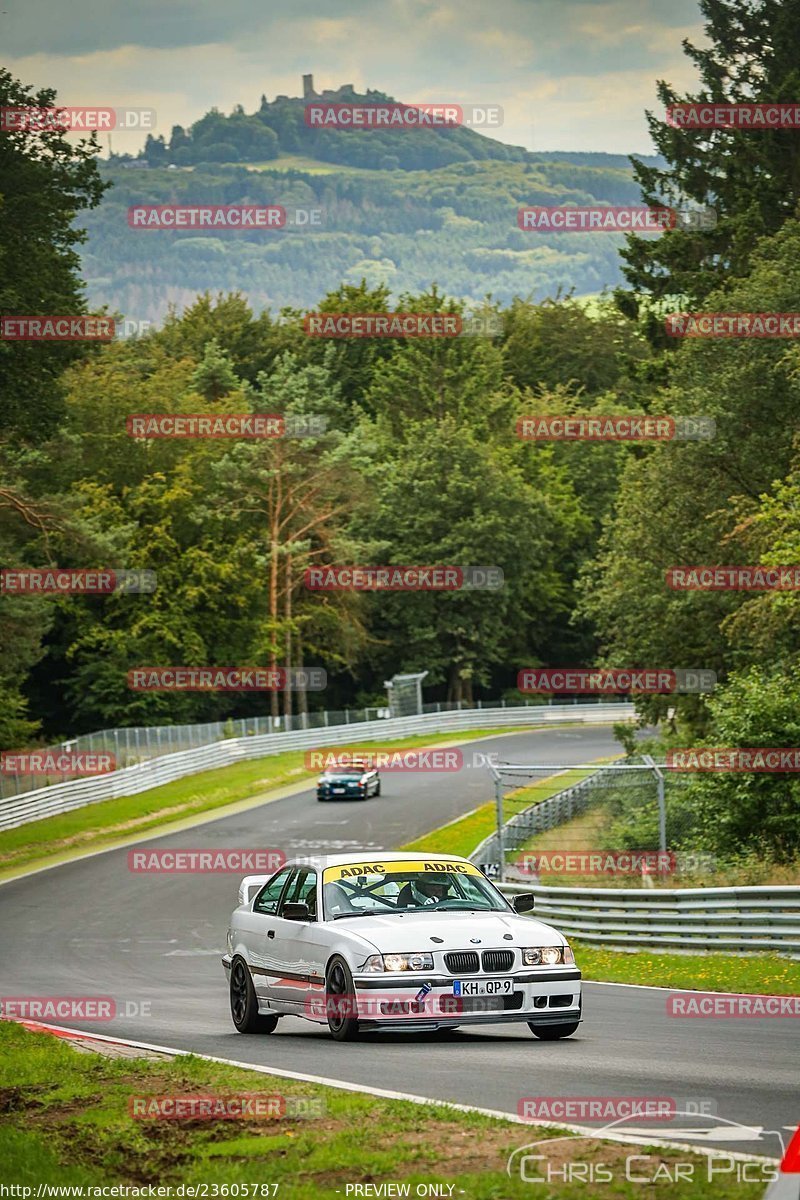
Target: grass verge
763	974
64	1120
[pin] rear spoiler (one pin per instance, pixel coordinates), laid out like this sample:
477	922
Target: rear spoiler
250	885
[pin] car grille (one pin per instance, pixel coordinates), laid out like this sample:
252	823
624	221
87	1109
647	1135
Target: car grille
498	960
462	962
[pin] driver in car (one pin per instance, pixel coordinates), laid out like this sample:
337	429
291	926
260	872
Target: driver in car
419	893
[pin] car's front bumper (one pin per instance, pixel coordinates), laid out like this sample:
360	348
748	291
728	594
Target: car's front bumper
347	794
545	997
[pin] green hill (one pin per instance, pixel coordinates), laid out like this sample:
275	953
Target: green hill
404	208
280	127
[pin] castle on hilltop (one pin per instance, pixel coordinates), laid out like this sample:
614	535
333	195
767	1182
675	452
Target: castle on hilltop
346	92
310	94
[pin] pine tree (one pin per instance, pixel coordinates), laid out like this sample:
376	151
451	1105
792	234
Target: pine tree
215	376
751	178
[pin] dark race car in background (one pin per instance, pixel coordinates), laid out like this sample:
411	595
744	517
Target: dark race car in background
355	782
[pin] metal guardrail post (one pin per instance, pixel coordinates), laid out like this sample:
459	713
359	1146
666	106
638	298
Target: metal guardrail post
662	805
501	849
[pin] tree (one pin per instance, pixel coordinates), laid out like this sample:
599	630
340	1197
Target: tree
447	496
46	181
251	342
688	503
179	140
155	150
215	377
751	178
731	812
766	627
288	498
562	342
354	359
24	620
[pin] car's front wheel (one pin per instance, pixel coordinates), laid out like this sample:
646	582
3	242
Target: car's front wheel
340	1001
551	1033
244	1002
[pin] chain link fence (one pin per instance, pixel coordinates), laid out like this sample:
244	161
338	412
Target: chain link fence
619	825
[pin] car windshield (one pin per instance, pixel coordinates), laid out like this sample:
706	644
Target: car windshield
356	889
344	777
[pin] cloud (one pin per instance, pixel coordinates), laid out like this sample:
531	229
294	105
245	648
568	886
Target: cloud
569	74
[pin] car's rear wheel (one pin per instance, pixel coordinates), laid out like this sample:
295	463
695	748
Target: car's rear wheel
378	788
340	1001
551	1033
244	1003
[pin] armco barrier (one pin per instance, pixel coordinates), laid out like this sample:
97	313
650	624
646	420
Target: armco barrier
63	797
732	919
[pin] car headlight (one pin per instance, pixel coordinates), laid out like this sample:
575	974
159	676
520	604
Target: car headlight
408	962
547	956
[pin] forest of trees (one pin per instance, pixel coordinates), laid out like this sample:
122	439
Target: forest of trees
421	463
456	226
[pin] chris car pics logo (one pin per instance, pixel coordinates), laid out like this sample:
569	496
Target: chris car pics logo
572	1158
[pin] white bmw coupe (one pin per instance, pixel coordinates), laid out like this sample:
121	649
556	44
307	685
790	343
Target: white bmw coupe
398	941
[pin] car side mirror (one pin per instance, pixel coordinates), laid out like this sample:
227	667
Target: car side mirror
296	912
524	902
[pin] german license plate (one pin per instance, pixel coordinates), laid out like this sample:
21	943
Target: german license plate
483	987
338	791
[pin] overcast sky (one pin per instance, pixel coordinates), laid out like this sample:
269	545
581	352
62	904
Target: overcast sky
569	74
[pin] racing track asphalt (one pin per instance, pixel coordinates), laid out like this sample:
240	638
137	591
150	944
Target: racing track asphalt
93	928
